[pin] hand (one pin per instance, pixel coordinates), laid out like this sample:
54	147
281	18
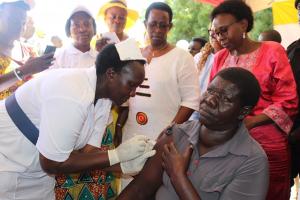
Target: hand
173	162
133	167
38	64
128	150
249	123
101	43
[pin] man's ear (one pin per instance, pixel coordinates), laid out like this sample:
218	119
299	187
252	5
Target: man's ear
244	112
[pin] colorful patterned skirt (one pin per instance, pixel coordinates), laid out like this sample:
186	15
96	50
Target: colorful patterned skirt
90	185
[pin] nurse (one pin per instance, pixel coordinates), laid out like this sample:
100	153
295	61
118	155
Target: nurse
54	122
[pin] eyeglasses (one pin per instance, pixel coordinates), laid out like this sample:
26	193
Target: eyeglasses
161	26
222	31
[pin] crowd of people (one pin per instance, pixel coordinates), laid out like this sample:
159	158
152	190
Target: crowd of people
106	118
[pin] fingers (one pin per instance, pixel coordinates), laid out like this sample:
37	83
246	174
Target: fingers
141	146
188	151
150	144
47	55
103	41
141	138
149	154
166	149
172	148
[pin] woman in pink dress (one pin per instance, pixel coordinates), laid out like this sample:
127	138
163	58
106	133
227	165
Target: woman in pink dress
272	118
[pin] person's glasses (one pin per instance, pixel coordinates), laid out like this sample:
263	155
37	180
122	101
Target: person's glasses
161	26
222	31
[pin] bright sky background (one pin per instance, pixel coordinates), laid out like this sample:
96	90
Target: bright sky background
50	15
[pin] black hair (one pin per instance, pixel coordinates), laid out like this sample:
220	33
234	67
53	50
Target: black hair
272	35
109	58
296	3
239	9
202	41
68	23
160	6
245	81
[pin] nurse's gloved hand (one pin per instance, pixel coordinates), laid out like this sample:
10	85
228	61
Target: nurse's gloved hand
128	150
133	167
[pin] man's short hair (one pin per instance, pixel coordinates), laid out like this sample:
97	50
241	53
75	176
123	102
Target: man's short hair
245	81
201	40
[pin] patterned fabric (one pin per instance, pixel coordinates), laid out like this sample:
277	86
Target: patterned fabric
90	185
246	61
21	52
271	67
5	65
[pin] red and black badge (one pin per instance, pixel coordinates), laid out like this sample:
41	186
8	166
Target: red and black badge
141	118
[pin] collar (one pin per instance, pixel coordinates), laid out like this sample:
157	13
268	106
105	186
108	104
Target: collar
240	144
73	50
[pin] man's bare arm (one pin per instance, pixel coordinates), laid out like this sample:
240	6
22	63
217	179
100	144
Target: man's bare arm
145	185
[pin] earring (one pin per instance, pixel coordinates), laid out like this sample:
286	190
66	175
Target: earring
244	35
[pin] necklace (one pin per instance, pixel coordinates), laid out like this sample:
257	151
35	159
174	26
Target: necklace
153	52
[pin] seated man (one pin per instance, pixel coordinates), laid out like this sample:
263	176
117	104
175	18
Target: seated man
213	158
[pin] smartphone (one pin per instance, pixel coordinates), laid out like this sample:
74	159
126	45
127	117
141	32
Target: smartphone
49	49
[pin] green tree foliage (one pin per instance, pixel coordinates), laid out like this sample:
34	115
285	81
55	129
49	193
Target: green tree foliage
263	21
191	19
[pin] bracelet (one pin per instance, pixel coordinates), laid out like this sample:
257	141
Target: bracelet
19	74
119	125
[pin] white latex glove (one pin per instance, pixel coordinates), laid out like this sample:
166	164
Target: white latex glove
133	167
128	150
149	145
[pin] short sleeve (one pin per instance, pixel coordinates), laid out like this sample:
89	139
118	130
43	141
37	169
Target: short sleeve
188	84
250	181
61	122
